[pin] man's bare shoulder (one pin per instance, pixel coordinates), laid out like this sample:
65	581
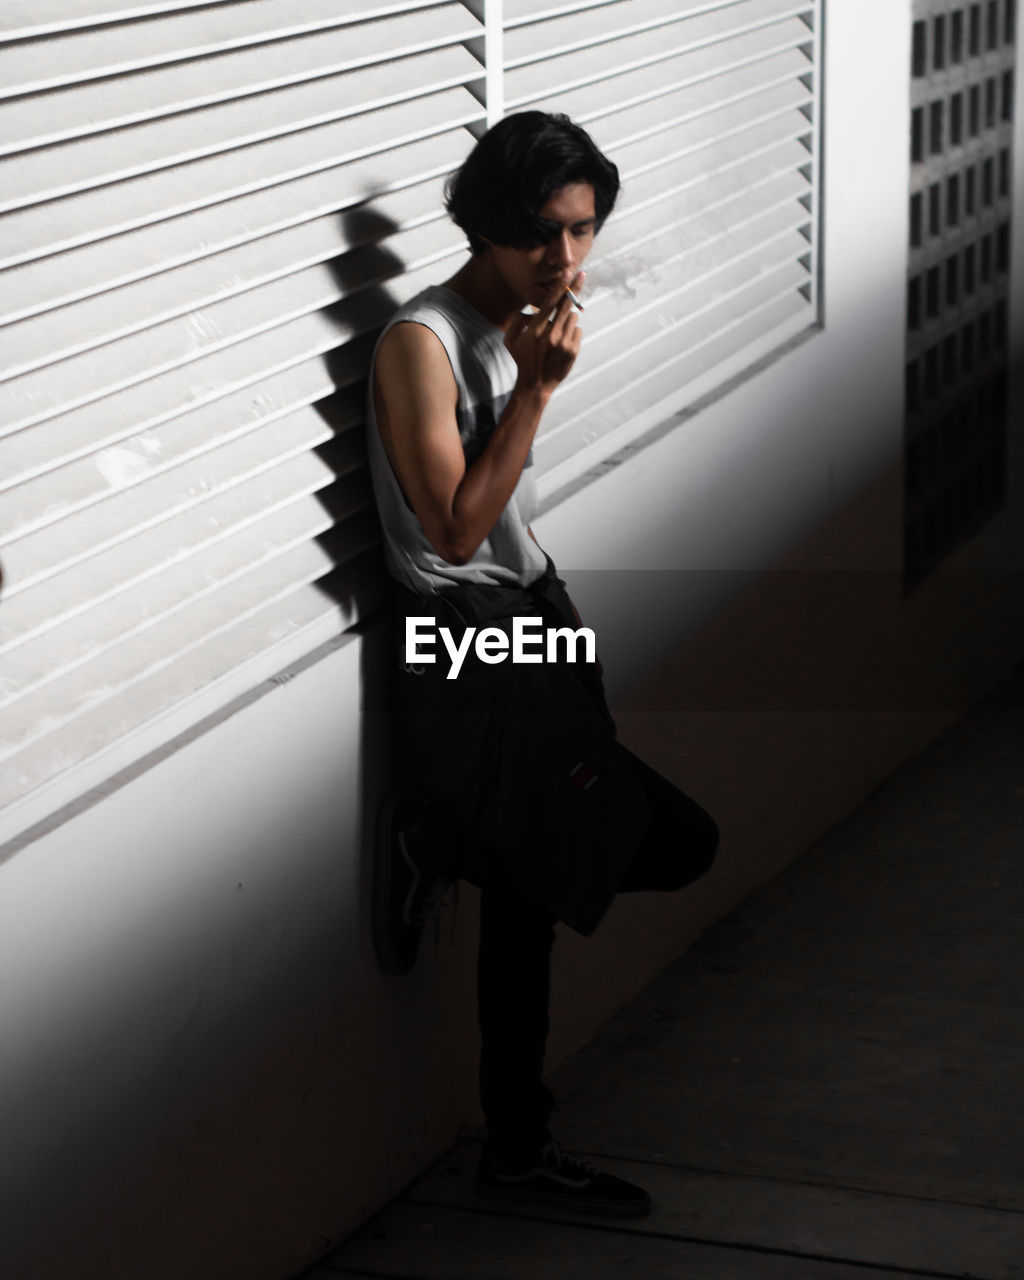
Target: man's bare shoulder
412	353
416	402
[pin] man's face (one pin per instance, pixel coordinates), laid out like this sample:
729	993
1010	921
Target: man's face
531	274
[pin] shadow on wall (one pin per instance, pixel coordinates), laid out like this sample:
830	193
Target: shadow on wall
359	582
362	275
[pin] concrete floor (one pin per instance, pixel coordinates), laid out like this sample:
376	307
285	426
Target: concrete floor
829	1086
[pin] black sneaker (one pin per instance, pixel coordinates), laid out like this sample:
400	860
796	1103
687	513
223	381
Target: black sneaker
553	1177
407	890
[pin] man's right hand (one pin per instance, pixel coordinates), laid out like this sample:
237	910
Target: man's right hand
545	344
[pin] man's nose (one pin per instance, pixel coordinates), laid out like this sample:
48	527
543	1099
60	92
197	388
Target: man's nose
560	251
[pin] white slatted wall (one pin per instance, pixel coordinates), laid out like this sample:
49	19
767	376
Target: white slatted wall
207	211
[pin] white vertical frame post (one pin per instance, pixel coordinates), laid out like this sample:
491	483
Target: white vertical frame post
1015	397
494	44
490	50
818	136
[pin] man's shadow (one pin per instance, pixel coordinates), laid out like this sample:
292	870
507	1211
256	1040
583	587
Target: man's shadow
359	582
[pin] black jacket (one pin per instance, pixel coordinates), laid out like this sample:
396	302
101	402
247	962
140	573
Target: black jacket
522	756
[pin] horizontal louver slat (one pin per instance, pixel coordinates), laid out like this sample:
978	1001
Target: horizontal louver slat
143	407
635	32
33	17
124	471
80	326
699	81
647	51
673	227
769	116
67	58
155	196
40	284
554	35
137	501
94	478
149	410
691	282
201	521
516	12
250	74
254	177
686	357
679	287
241	641
172	593
35	396
75	636
76	166
28	464
158	596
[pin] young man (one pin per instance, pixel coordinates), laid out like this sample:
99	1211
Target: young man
512	775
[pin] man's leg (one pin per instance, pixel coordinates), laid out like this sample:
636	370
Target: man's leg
513	989
520	1161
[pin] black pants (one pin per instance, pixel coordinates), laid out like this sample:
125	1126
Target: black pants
514	964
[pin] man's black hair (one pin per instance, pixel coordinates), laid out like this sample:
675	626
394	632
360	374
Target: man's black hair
515	168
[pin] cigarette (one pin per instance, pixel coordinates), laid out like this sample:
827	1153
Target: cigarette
573	299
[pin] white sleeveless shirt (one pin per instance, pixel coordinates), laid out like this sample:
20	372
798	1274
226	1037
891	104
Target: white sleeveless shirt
485	375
